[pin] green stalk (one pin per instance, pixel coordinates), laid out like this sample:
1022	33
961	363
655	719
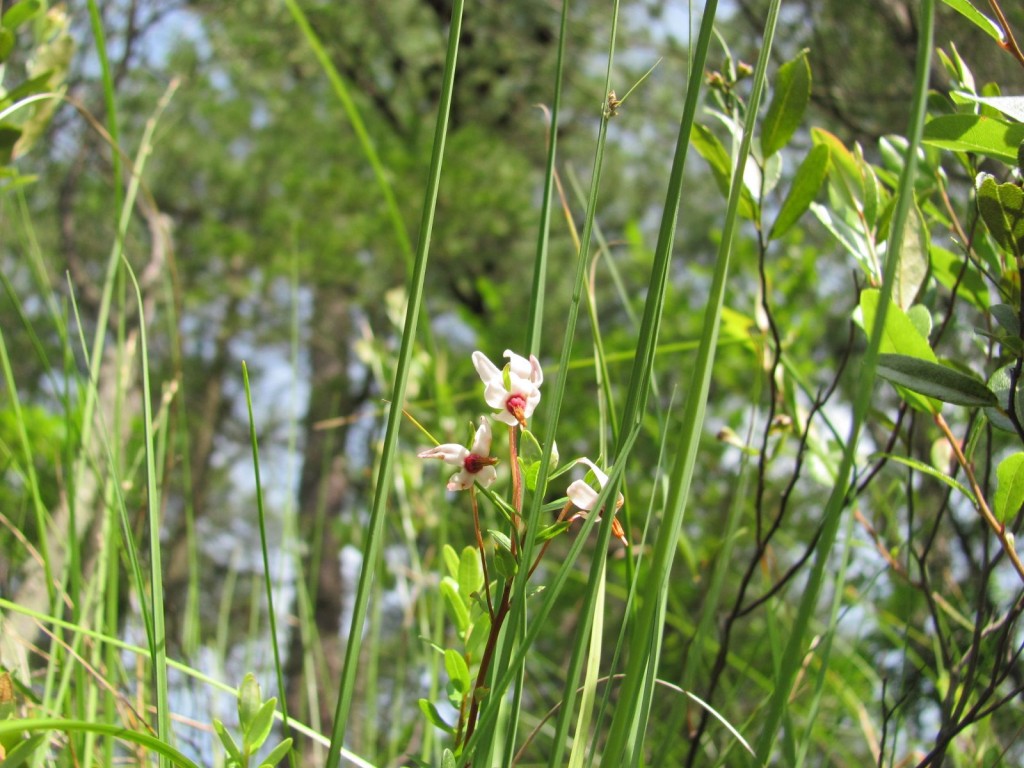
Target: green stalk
645	646
832	515
264	551
372	548
483	739
159	635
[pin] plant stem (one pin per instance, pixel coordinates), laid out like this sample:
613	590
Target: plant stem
998	528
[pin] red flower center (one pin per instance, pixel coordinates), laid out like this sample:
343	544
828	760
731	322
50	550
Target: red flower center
516	405
474	463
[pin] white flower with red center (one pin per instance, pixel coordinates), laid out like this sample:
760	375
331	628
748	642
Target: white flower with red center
515	391
584	498
475	463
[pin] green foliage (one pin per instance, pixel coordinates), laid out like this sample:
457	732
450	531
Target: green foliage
255	721
282	194
790	93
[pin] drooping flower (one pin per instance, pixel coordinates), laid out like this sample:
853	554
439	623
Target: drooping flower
584	498
475	463
516	399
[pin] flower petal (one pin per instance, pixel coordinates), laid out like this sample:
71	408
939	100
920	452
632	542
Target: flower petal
582	495
487	370
450	453
486	476
482	439
460	481
528	369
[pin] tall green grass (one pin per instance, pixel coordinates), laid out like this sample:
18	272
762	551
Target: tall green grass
603	712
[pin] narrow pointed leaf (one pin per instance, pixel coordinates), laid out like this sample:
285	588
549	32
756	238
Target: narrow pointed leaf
934	380
792	92
277	754
806	185
976	17
433	716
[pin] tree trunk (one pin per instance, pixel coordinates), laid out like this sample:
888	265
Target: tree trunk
315	662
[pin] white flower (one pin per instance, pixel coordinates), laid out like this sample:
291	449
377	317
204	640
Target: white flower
476	464
517	401
585	498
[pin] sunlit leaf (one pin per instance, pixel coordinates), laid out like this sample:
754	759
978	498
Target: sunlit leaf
1010	488
1002	208
713	151
260	726
457	669
805	187
471	574
976	17
433	716
277	754
789	100
249	699
981	135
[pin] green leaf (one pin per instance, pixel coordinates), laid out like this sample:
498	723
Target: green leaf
999	383
986	136
1002	208
913	267
478	636
457	610
458	671
249	700
19	13
24	751
551	531
805	187
789	100
844	170
951	270
471	573
901	336
934	380
921	318
1007	317
927	469
1010	488
504	563
1011	106
433	716
225	738
448	759
713	151
9	135
451	560
260	726
854	240
976	17
6	43
277	754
